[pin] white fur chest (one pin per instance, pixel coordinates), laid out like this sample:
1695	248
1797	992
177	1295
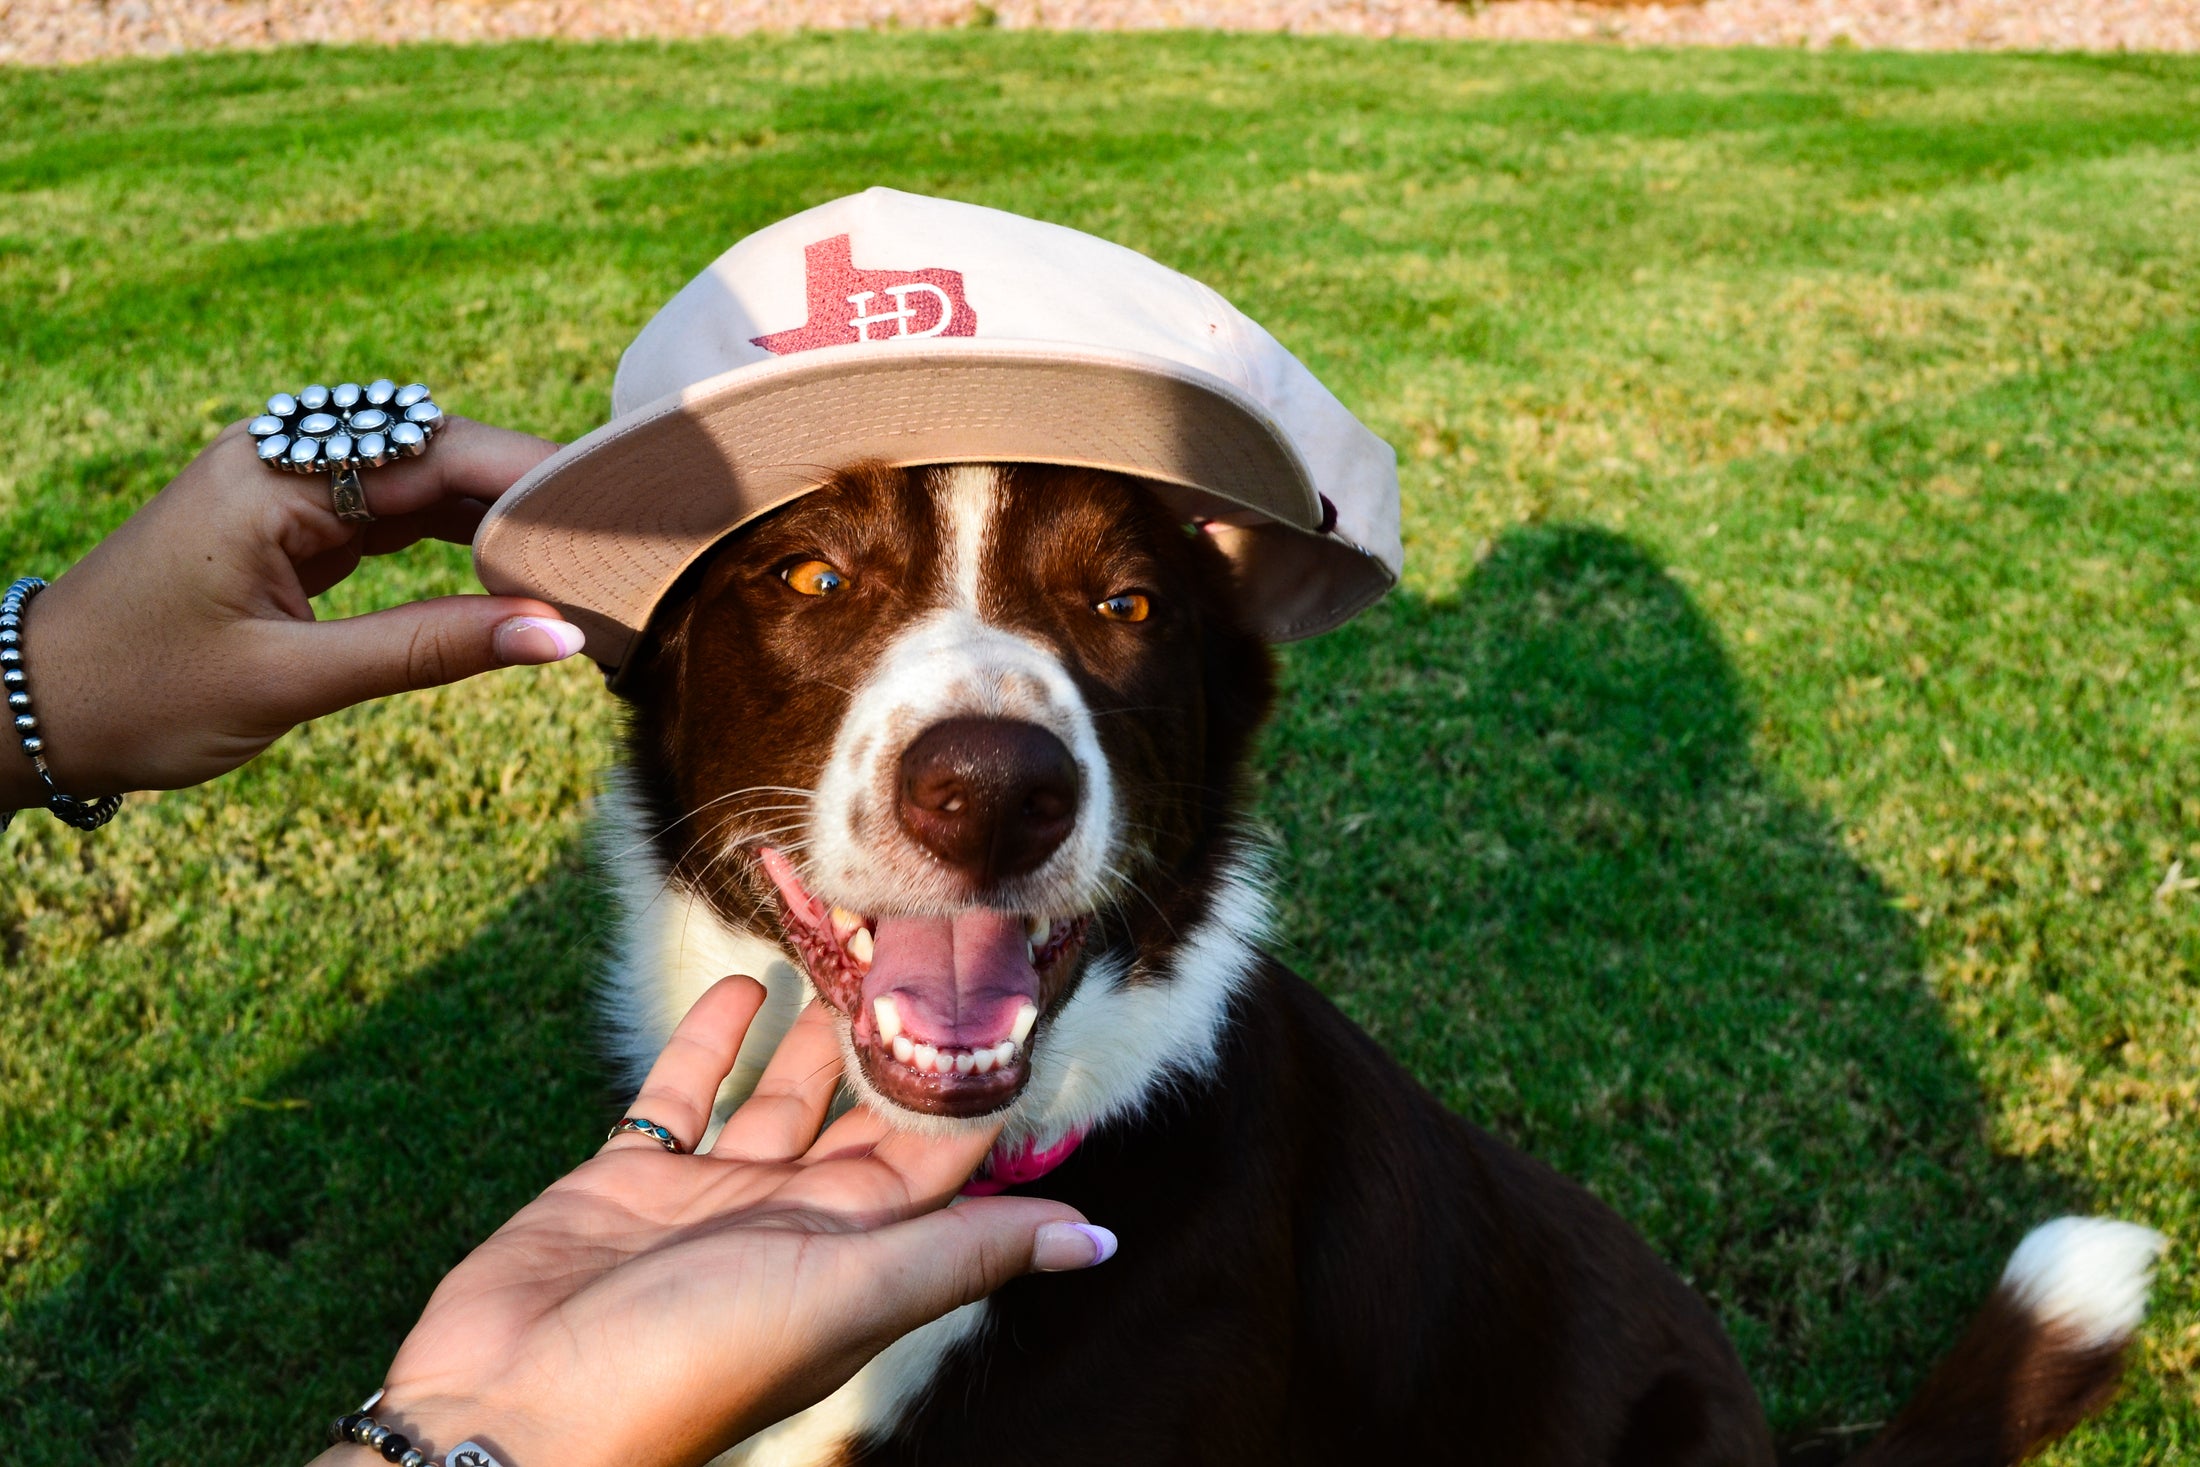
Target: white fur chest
879	1395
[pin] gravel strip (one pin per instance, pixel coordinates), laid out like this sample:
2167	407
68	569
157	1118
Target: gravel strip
51	32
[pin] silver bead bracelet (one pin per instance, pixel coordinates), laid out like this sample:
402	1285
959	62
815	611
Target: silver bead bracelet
83	814
360	1428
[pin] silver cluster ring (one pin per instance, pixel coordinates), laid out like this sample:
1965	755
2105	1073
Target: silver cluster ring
342	430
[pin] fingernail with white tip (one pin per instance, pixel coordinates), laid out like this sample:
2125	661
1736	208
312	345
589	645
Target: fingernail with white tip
529	641
1059	1247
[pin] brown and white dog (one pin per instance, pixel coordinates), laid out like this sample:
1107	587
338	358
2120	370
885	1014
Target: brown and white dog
961	750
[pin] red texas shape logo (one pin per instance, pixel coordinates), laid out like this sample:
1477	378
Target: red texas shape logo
850	305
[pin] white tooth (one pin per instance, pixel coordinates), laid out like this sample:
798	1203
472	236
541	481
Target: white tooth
945	1064
923	1057
1004	1053
904	1050
984	1061
1036	928
1026	1016
845	922
860	946
965	1062
889	1018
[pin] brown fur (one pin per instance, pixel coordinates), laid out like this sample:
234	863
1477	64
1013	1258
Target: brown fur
739	677
2011	1384
1320	1262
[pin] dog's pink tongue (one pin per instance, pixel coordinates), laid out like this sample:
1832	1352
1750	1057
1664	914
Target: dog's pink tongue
956	982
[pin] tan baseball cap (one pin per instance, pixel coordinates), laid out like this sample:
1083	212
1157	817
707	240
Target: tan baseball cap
914	330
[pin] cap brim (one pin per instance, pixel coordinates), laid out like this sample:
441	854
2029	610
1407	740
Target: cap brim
604	527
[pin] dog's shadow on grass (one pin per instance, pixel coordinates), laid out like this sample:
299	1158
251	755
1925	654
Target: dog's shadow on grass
1526	843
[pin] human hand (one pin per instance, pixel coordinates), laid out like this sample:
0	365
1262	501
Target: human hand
184	643
655	1309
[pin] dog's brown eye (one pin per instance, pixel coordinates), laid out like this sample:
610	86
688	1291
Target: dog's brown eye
1130	606
815	578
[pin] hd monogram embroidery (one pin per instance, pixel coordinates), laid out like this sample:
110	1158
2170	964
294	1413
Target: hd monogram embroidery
848	305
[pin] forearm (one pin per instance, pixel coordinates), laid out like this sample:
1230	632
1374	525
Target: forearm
19	786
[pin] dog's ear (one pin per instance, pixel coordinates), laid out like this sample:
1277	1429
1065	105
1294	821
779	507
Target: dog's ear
1239	671
653	672
652	685
657	670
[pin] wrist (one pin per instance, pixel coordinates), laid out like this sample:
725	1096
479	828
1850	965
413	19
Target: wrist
20	787
20	784
437	1426
60	679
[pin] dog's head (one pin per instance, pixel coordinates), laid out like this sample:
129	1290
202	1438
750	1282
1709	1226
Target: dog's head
967	742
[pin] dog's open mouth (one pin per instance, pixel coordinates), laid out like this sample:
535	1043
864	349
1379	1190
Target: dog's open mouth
942	1009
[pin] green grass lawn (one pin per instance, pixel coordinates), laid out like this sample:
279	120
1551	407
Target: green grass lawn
1761	800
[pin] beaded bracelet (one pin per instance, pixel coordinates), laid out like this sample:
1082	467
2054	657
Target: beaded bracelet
364	1430
83	814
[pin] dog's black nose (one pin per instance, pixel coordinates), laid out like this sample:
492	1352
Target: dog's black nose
991	797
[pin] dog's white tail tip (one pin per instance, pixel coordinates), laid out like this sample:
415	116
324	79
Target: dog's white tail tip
2089	1275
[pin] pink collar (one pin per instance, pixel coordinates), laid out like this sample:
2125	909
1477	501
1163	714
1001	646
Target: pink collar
1013	1166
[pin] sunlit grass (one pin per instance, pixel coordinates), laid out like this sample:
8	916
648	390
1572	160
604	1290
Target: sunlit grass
1765	799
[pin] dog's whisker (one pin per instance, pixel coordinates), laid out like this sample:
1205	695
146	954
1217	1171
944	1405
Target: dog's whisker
705	808
1132	887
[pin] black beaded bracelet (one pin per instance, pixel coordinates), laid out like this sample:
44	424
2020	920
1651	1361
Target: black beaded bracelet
365	1431
83	814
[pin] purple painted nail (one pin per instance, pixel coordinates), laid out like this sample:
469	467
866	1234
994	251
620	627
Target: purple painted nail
531	640
1059	1247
